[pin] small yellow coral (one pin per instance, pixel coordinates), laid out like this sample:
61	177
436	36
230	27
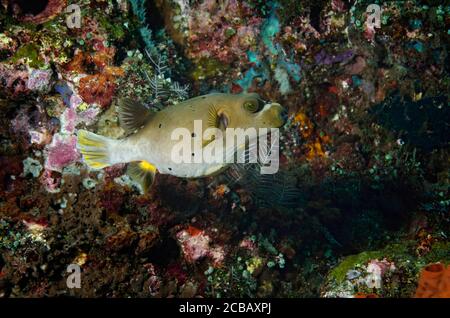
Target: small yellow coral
5	40
83	106
314	150
417	96
80	259
305	125
254	264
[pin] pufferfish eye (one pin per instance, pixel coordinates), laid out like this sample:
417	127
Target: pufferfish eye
251	106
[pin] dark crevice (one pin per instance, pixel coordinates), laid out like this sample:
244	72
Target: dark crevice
164	252
33	7
154	18
314	15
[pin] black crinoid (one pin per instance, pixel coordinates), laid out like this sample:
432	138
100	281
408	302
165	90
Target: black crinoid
268	190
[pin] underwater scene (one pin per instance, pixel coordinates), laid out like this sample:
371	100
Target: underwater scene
224	149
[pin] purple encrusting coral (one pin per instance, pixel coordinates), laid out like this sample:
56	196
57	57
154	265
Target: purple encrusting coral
61	152
324	58
39	80
50	182
360	202
17	83
197	245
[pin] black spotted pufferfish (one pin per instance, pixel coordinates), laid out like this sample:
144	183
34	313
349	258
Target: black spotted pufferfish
148	145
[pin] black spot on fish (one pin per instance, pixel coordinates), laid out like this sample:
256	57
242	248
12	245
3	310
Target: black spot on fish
170	169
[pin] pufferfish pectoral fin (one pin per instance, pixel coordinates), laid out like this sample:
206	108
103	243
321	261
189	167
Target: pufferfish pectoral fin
216	119
132	114
142	172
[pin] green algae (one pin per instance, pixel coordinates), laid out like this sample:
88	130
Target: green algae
440	252
207	68
339	273
30	53
115	29
402	254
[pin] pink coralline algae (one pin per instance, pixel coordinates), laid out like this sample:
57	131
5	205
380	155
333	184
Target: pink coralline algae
88	116
51	181
248	244
40	138
376	270
380	267
338	5
61	152
68	120
20	125
14	82
71	116
31	126
215	26
75	101
196	245
17	83
39	80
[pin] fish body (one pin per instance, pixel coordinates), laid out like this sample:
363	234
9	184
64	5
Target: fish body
150	142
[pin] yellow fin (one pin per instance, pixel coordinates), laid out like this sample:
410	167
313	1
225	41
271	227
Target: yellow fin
142	172
94	149
147	166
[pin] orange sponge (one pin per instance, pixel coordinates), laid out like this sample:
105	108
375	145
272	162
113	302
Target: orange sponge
364	295
434	282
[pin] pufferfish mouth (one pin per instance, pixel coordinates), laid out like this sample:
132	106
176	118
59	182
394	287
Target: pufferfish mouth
275	115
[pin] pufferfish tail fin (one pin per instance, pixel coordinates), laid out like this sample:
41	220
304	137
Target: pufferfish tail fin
96	149
142	172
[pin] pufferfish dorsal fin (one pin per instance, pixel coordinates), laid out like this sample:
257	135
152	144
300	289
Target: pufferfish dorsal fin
142	172
132	114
